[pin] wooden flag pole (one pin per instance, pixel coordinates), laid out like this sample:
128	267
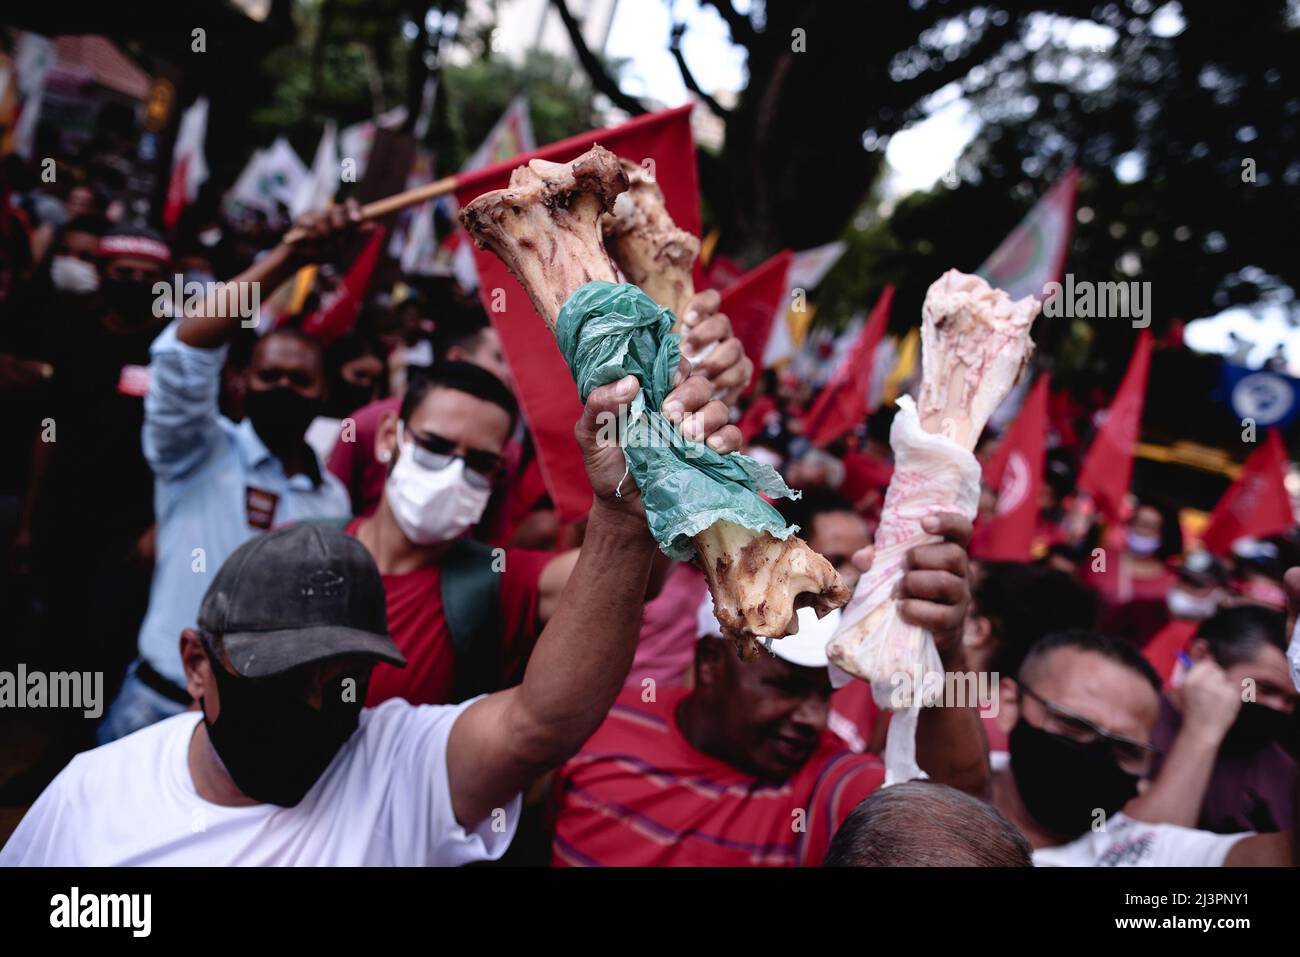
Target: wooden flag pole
391	204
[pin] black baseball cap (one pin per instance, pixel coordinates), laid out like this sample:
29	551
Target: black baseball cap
298	595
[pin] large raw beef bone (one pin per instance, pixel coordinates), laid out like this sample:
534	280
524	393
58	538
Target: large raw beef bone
975	344
545	226
647	245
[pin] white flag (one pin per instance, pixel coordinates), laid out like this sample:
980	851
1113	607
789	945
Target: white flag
273	175
34	57
189	166
806	270
317	190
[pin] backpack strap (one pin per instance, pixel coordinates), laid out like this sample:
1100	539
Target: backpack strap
471	592
341	522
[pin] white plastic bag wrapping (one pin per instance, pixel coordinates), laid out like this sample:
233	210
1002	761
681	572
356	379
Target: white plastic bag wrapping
932	475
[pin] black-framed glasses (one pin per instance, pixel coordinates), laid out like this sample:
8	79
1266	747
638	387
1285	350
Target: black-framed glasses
433	452
1133	756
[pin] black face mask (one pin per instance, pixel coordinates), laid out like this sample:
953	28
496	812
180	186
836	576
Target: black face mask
1064	783
347	397
131	299
1257	726
280	415
275	745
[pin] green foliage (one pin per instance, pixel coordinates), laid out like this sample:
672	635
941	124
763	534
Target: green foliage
559	101
1186	111
365	63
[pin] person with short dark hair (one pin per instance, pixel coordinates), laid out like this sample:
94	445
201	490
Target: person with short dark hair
924	824
469	337
1224	729
465	616
1013	605
1079	718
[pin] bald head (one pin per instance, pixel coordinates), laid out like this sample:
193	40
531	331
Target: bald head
923	824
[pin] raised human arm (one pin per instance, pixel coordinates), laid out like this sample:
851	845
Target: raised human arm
503	742
1175	795
326	231
935	595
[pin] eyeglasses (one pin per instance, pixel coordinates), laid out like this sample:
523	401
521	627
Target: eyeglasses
433	452
1133	756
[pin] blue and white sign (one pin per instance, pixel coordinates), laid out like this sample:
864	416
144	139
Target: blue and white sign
1268	398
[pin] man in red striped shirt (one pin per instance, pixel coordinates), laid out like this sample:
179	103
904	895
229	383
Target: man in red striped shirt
740	769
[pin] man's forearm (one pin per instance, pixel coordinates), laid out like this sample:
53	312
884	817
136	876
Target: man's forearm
586	649
217	323
1177	792
951	749
504	742
950	742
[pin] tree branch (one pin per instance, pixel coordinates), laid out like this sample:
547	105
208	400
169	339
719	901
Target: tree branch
600	77
742	31
675	47
914	90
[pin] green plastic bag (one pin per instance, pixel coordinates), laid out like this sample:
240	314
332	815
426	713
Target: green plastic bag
609	330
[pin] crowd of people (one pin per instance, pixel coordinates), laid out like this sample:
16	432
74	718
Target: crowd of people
342	622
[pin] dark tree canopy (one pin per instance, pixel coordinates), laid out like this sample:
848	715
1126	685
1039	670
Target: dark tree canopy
1207	116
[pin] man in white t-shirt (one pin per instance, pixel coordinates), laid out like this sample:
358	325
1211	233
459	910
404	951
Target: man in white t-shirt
1079	719
284	766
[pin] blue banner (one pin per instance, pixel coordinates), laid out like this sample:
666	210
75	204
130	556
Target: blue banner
1269	398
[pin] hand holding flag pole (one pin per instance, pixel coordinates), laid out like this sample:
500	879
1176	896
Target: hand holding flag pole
392	204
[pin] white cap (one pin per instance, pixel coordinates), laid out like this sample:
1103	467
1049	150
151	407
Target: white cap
807	648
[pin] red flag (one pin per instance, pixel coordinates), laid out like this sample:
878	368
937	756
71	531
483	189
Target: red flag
1108	466
721	272
753	301
842	404
1257	504
1016	471
752	422
545	387
337	314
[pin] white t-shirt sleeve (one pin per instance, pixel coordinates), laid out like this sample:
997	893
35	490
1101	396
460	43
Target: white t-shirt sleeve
409	743
1130	843
1189	847
36	842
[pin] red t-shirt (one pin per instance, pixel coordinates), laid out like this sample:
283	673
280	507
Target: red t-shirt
854	715
1133	608
419	629
638	794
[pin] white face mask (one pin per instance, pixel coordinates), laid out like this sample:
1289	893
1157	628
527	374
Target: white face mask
432	505
1140	544
761	453
1183	604
70	274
